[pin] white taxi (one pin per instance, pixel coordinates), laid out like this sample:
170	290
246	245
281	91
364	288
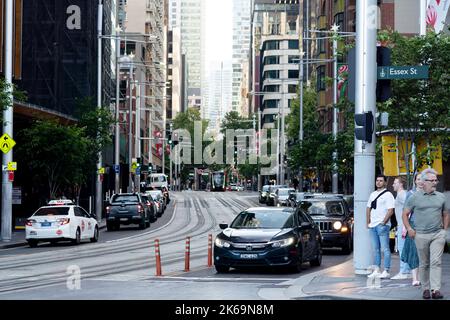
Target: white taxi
59	221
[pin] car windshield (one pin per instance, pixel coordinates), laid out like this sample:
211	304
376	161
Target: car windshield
125	198
265	188
330	208
267	219
55	211
284	192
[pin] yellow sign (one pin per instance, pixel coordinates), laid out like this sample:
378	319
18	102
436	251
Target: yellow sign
6	143
101	171
390	155
394	152
12	166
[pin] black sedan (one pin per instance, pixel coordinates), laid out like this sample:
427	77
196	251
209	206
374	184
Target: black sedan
268	237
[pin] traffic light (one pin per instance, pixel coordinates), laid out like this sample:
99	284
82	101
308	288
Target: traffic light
175	138
366	126
384	91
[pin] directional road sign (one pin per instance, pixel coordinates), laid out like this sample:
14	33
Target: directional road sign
6	143
12	166
403	72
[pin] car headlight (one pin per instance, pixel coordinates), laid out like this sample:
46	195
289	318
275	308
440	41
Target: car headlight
263	194
222	243
283	242
337	225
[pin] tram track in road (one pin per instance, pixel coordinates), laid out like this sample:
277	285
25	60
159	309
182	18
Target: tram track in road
117	247
89	272
205	217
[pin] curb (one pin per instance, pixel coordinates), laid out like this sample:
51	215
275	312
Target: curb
24	243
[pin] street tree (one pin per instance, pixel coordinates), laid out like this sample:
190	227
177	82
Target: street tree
420	109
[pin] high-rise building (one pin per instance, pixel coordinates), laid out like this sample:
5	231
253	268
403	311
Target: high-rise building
217	92
276	49
145	33
191	21
241	51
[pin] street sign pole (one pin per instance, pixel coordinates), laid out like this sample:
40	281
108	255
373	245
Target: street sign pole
364	173
98	181
7	125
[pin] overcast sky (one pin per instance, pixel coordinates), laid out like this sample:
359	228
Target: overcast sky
219	30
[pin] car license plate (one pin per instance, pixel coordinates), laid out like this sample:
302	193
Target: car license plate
123	219
46	224
249	256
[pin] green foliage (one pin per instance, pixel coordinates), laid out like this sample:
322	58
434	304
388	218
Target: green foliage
419	107
5	97
56	153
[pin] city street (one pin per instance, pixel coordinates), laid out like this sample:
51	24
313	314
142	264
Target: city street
122	264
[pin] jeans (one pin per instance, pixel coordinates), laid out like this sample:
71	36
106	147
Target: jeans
404	267
379	237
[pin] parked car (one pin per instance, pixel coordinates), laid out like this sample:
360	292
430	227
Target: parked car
61	221
150	204
159	200
335	220
264	194
268	237
281	196
127	208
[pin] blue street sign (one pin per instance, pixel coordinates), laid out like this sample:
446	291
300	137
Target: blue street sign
138	170
116	168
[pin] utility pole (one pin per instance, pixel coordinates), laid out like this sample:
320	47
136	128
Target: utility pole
7	124
300	131
282	142
137	136
99	182
365	101
117	126
335	178
423	24
130	127
170	157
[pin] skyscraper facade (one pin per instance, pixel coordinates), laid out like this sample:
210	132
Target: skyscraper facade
241	50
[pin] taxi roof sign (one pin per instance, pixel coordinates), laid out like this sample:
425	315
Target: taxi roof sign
6	143
60	202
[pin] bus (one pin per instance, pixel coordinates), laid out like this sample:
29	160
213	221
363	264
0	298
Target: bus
218	181
156	181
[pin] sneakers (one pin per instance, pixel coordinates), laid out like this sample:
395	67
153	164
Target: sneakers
384	275
426	294
400	276
375	274
416	283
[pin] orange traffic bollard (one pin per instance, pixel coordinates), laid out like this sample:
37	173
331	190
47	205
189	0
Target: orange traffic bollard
187	254
210	250
158	258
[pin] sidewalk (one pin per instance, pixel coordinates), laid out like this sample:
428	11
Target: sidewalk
18	238
340	282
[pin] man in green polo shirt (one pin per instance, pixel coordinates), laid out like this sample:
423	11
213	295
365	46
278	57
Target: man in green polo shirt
431	220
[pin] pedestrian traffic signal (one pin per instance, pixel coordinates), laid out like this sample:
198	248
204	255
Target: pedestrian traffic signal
384	91
366	126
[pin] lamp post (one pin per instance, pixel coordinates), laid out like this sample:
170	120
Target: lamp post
7	124
98	182
130	127
335	177
117	126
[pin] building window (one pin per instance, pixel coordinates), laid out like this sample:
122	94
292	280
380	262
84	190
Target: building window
293	44
294	59
271	104
322	43
321	78
272	88
293	74
269	118
272	60
272	45
292	88
271	74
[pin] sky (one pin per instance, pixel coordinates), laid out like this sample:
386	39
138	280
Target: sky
219	30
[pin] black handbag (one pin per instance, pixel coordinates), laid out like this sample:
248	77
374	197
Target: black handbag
373	204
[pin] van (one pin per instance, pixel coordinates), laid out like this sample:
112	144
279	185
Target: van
157	181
